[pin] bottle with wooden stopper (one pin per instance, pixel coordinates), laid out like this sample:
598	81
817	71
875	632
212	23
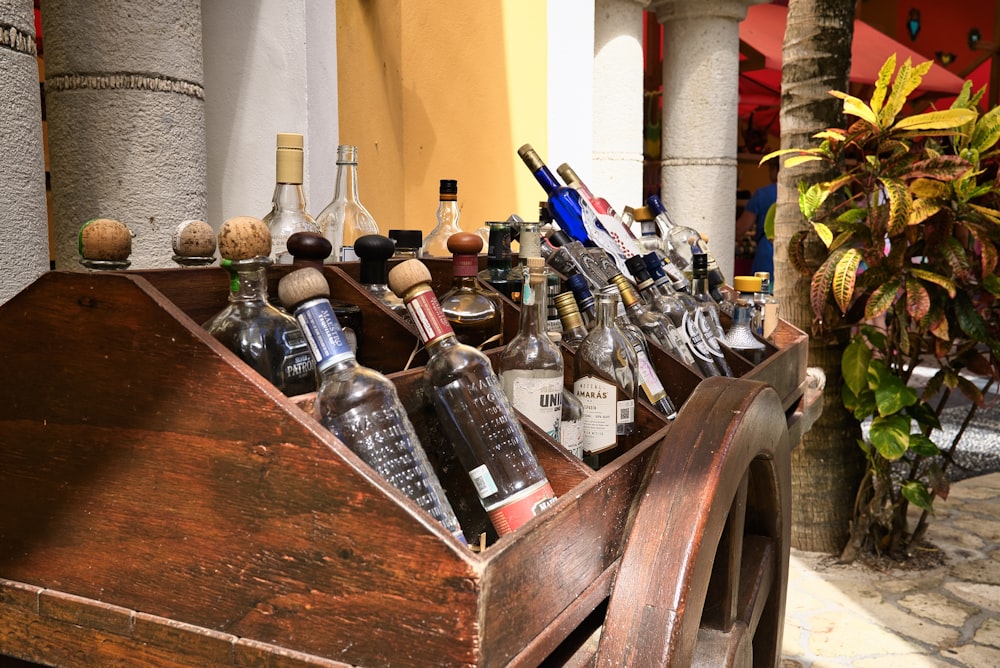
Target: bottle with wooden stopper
288	213
475	314
104	243
361	406
259	333
475	414
374	251
194	244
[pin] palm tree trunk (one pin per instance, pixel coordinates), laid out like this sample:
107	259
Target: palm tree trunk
827	466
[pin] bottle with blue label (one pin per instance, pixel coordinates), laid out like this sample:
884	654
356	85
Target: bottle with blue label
360	405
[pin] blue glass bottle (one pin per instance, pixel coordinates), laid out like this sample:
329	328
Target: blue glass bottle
563	202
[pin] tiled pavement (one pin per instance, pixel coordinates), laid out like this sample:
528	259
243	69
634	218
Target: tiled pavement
948	615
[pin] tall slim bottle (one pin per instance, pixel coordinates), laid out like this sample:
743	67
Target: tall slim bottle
448	213
260	334
531	366
475	314
288	213
361	406
474	412
605	382
531	246
345	218
564	203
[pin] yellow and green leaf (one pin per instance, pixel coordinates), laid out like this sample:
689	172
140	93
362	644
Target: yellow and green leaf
844	278
937	279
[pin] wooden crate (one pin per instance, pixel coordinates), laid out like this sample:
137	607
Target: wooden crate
160	500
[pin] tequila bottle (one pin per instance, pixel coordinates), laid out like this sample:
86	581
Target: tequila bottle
475	314
345	218
288	213
374	251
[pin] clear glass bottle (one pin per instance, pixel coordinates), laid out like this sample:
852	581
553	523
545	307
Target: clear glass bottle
767	306
573	180
260	334
740	336
530	239
475	314
604	372
448	213
645	373
498	272
748	288
531	366
374	251
288	213
474	412
573	329
345	218
361	406
571	424
708	312
678	241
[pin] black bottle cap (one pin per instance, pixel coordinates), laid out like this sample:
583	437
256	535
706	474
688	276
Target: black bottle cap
449	187
559	238
407	238
637	266
699	261
374	250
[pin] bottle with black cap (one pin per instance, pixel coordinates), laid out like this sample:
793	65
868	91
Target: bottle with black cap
448	213
374	251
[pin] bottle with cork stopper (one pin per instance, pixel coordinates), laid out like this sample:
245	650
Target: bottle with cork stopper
475	314
288	213
359	405
194	244
104	244
478	420
259	333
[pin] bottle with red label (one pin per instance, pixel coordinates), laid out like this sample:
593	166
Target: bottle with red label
475	415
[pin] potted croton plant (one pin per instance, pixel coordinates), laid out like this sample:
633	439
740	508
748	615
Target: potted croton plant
911	225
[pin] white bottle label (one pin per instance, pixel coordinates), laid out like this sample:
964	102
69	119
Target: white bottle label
604	416
538	398
483	481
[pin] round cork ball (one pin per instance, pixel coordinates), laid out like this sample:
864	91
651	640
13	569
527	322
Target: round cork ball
406	275
194	238
302	285
465	243
105	239
243	238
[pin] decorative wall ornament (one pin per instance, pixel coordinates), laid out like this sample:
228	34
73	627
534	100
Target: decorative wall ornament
945	57
974	37
913	23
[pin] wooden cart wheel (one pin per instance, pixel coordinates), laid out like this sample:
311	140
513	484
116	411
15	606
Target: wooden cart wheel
703	576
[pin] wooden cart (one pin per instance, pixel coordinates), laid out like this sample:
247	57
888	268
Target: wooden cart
163	505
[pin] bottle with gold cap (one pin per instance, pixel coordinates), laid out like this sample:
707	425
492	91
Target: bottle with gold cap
531	366
260	334
767	306
448	213
475	414
475	314
573	329
361	406
288	213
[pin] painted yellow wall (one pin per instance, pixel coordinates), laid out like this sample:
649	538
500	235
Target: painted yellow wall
442	90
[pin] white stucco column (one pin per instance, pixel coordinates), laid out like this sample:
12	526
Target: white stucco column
24	241
618	111
126	116
700	100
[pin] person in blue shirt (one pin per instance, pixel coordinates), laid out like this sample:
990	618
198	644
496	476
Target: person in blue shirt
753	217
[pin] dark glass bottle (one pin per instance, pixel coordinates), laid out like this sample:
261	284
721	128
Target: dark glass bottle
564	203
475	314
585	301
360	405
498	272
260	334
476	416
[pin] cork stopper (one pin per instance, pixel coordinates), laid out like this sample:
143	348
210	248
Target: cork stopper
302	285
105	240
535	262
308	249
409	274
289	157
465	243
243	238
193	239
746	284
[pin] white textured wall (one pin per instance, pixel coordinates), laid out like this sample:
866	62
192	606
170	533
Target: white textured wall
125	109
270	67
24	245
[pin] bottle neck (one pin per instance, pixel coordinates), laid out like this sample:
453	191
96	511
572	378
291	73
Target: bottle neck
247	280
464	265
346	187
530	242
289	197
448	213
373	271
329	345
534	302
430	321
606	309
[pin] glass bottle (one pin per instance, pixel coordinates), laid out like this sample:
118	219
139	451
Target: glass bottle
361	406
260	334
767	306
740	335
708	312
345	218
571	424
531	366
589	265
605	382
408	243
573	329
498	272
448	213
645	374
657	326
748	288
530	239
573	180
374	251
474	412
288	213
564	203
678	241
475	314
